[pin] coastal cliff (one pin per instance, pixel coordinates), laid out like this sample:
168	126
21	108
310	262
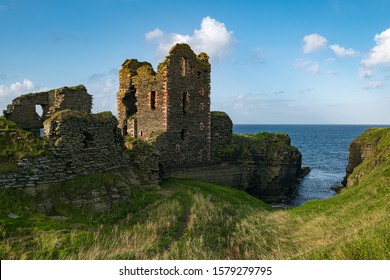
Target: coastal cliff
368	152
191	219
264	165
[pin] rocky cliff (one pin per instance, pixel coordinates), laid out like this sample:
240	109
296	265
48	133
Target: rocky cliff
264	165
367	152
270	164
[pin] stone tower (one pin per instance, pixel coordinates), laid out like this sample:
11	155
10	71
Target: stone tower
170	107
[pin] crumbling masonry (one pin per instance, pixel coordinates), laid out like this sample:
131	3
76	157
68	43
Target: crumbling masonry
169	109
173	104
29	111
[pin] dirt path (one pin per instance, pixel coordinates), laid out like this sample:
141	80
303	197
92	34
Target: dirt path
184	219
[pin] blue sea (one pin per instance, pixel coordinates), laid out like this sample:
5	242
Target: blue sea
324	149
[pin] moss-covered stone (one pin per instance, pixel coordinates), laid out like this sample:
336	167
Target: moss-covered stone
144	161
16	144
23	109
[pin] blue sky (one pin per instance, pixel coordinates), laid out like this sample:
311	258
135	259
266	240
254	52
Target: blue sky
294	62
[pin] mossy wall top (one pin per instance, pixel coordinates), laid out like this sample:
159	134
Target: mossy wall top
23	110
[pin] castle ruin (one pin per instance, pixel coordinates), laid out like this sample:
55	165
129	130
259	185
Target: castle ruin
172	105
169	109
29	111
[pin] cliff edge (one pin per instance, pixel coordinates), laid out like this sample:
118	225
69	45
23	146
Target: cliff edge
369	152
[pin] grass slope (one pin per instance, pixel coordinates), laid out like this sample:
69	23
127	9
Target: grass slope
190	219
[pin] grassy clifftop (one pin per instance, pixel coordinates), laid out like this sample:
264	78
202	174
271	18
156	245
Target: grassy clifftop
356	223
189	219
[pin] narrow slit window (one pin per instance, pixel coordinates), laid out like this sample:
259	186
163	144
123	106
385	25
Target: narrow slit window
153	100
183	134
184	101
183	66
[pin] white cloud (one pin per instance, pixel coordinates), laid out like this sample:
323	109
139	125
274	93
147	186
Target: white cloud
310	67
365	73
18	88
212	38
373	85
340	51
313	42
8	93
378	55
154	34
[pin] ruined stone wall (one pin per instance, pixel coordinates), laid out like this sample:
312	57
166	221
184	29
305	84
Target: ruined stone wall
23	111
187	83
126	96
73	98
150	102
76	143
221	131
172	105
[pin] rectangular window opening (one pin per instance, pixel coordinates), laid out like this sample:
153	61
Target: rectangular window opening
183	134
183	66
184	102
153	100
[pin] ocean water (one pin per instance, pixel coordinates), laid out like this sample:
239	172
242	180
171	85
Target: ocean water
324	149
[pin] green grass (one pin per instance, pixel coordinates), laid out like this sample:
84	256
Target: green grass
246	144
190	219
16	144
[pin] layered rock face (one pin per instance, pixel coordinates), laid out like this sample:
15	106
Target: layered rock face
370	147
265	165
275	168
